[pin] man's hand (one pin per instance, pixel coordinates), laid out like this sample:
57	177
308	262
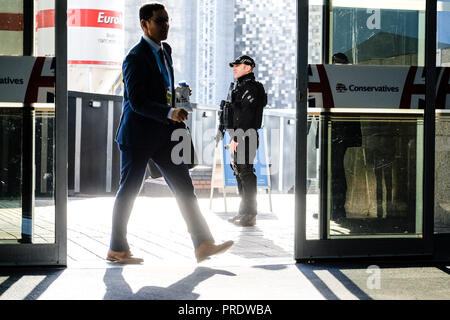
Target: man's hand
179	115
233	146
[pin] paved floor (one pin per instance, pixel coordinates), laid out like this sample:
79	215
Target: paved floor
260	266
157	232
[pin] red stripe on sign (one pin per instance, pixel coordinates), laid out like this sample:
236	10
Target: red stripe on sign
322	87
108	63
327	94
11	21
45	19
444	89
410	88
37	81
94	18
88	18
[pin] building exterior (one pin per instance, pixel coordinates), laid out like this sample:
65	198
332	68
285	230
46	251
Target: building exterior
201	37
402	147
204	41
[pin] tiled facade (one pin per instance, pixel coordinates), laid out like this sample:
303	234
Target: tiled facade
266	30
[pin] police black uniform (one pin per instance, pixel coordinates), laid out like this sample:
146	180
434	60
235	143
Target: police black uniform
247	100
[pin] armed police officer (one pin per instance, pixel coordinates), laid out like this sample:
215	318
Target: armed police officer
243	117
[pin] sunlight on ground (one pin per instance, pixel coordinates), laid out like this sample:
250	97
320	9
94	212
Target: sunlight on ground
157	232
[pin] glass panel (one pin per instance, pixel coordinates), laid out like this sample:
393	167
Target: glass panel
27	206
10	174
442	179
44	36
365	166
375	175
95	44
313	175
381	33
443	33
44	212
315	31
44	135
11	39
313	154
11	27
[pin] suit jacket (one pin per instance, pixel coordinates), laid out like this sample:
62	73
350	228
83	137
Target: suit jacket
144	122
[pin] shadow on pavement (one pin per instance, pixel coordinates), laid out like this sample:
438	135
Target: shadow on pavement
118	289
310	272
252	243
13	276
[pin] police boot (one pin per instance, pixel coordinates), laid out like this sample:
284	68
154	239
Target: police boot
246	220
236	217
240	191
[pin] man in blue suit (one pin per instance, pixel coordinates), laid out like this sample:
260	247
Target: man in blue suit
147	123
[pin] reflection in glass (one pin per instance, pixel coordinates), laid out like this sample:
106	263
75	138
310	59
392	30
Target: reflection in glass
375	175
442	178
385	35
312	176
371	175
11	27
44	211
443	33
442	155
10	174
43	218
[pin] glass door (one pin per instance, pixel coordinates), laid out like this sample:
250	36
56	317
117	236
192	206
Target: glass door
442	154
367	101
33	122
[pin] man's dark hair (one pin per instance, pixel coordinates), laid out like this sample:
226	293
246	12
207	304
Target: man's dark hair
147	9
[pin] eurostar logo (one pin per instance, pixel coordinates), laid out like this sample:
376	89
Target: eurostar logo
341	88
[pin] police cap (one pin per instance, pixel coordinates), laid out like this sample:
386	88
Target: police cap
243	60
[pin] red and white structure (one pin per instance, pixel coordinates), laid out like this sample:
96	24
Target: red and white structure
95	31
95	41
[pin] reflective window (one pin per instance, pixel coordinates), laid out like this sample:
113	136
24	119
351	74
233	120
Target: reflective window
27	212
369	161
380	33
442	167
11	27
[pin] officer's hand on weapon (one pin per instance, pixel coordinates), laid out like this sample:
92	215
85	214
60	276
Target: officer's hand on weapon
179	115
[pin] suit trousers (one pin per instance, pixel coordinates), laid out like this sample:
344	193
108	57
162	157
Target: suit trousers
133	165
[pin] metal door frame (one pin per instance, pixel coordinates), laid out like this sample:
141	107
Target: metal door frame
306	250
54	254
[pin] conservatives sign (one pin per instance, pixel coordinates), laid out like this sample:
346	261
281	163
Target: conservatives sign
27	79
393	87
